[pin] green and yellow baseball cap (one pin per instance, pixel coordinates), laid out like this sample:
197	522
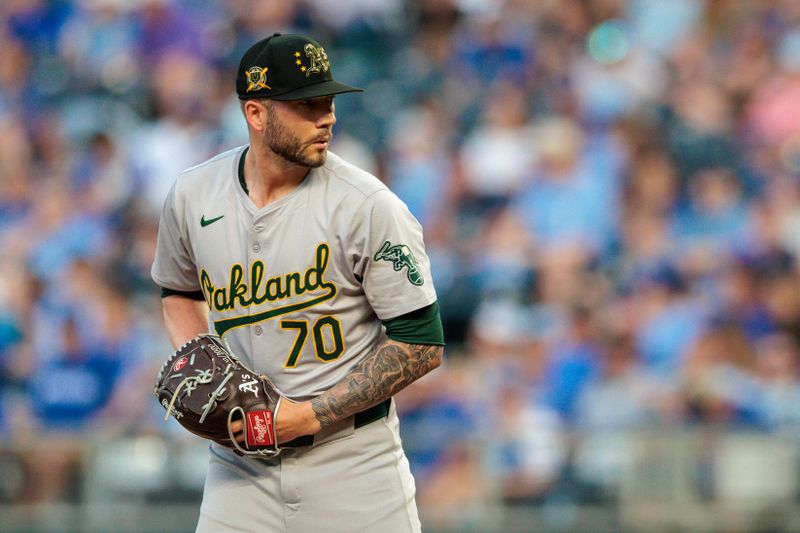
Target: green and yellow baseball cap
287	67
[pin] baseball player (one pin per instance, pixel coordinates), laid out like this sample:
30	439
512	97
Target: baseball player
315	274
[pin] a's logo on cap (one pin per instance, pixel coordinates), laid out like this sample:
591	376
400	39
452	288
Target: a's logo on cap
318	58
257	79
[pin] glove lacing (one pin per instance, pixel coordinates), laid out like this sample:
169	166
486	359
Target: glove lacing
204	377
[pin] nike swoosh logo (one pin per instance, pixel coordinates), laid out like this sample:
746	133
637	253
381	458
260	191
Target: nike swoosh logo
204	222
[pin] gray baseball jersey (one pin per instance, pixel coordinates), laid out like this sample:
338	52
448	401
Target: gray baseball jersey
298	287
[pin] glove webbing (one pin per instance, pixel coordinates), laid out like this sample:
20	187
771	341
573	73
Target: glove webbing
202	378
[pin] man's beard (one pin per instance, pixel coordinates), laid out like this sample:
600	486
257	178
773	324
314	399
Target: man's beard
288	146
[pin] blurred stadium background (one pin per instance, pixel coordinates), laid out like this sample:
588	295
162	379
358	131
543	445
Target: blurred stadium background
610	191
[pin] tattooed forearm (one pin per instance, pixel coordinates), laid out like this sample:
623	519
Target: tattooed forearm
392	367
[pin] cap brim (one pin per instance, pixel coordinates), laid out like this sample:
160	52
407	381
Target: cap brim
326	88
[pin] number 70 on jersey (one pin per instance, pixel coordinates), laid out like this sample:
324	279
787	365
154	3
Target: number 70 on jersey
326	332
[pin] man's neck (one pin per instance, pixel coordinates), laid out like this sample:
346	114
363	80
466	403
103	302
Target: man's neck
269	177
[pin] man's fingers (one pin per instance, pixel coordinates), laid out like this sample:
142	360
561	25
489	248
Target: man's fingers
237	428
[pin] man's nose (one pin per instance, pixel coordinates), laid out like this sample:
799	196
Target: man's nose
327	120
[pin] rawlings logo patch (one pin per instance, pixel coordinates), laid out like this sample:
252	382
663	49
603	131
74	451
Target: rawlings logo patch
180	363
259	428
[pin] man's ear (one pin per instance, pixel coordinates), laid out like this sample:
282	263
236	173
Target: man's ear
255	113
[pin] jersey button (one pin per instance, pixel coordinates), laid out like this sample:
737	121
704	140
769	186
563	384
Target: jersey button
257	330
256	247
259	227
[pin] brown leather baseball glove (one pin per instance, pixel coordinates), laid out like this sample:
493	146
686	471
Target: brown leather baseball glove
206	388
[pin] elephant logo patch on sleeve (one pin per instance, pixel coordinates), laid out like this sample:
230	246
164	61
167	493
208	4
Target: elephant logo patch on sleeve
401	257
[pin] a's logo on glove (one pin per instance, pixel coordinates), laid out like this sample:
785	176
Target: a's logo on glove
180	363
249	386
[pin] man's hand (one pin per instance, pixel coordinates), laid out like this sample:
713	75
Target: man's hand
294	419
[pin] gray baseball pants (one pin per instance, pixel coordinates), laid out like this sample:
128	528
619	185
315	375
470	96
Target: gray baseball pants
350	480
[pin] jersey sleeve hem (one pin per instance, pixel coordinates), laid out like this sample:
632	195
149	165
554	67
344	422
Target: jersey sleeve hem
410	307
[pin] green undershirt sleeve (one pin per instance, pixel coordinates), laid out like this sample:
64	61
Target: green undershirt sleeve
194	295
423	326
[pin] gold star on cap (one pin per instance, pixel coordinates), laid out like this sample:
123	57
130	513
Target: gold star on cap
298	61
297	54
303	69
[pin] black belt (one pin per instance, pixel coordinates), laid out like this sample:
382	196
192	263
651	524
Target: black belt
363	418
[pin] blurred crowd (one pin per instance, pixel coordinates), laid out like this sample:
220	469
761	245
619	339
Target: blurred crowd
610	192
